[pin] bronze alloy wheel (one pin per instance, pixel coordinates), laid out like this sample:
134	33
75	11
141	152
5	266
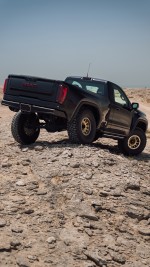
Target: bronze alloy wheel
134	142
86	126
82	128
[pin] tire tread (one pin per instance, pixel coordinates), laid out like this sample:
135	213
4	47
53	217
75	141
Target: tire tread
122	144
17	130
72	127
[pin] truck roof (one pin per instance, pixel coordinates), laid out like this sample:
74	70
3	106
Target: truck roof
87	78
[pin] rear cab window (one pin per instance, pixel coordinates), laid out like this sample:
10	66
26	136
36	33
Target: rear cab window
95	87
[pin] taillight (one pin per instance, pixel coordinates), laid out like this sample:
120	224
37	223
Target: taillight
62	93
5	85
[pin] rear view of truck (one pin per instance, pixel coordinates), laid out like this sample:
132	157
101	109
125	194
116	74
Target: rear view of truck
38	103
33	94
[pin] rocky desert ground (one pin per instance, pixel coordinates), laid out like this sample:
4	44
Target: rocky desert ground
66	205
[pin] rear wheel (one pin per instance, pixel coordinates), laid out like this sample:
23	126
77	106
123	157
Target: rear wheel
25	128
82	128
133	144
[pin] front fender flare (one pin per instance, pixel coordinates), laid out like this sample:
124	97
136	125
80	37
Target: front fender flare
140	123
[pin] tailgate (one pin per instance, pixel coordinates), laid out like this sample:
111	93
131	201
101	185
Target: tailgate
32	87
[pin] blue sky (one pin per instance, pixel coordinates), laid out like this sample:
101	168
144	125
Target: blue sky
58	38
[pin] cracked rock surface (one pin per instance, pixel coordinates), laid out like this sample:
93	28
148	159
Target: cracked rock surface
69	205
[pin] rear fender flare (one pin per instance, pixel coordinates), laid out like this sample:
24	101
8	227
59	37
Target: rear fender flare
88	105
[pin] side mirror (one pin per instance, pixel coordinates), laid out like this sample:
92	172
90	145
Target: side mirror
135	105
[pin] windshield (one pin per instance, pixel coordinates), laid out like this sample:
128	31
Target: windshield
96	87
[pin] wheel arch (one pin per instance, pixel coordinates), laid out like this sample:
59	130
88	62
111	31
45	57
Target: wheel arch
93	108
141	125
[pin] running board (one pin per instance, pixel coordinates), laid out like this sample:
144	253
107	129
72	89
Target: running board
113	136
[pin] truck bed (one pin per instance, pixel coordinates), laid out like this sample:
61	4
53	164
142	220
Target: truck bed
32	94
32	87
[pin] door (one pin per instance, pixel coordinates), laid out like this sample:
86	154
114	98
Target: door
120	113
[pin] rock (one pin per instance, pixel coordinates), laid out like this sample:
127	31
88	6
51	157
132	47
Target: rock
75	164
118	258
42	192
25	149
122	241
96	259
87	176
16	229
89	232
6	165
54	160
23	172
15	243
116	193
67	154
109	241
39	148
18	216
51	240
25	163
5	245
32	186
72	237
21	183
29	211
142	250
95	164
2	222
136	213
144	231
89	264
134	185
32	258
22	262
89	216
146	191
88	191
103	193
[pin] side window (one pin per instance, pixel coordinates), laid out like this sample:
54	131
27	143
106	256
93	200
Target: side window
76	84
119	96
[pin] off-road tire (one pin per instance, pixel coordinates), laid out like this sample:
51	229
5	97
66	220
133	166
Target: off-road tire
134	143
97	136
82	128
25	128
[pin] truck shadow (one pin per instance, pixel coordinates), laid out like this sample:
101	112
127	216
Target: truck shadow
64	143
113	149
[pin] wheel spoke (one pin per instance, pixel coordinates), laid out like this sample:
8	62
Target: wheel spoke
86	126
134	142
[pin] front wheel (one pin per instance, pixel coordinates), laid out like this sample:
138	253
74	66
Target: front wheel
82	128
25	128
133	144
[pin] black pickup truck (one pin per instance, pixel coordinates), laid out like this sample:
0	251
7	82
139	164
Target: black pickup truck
87	108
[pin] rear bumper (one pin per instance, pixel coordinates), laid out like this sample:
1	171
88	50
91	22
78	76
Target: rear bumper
28	108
